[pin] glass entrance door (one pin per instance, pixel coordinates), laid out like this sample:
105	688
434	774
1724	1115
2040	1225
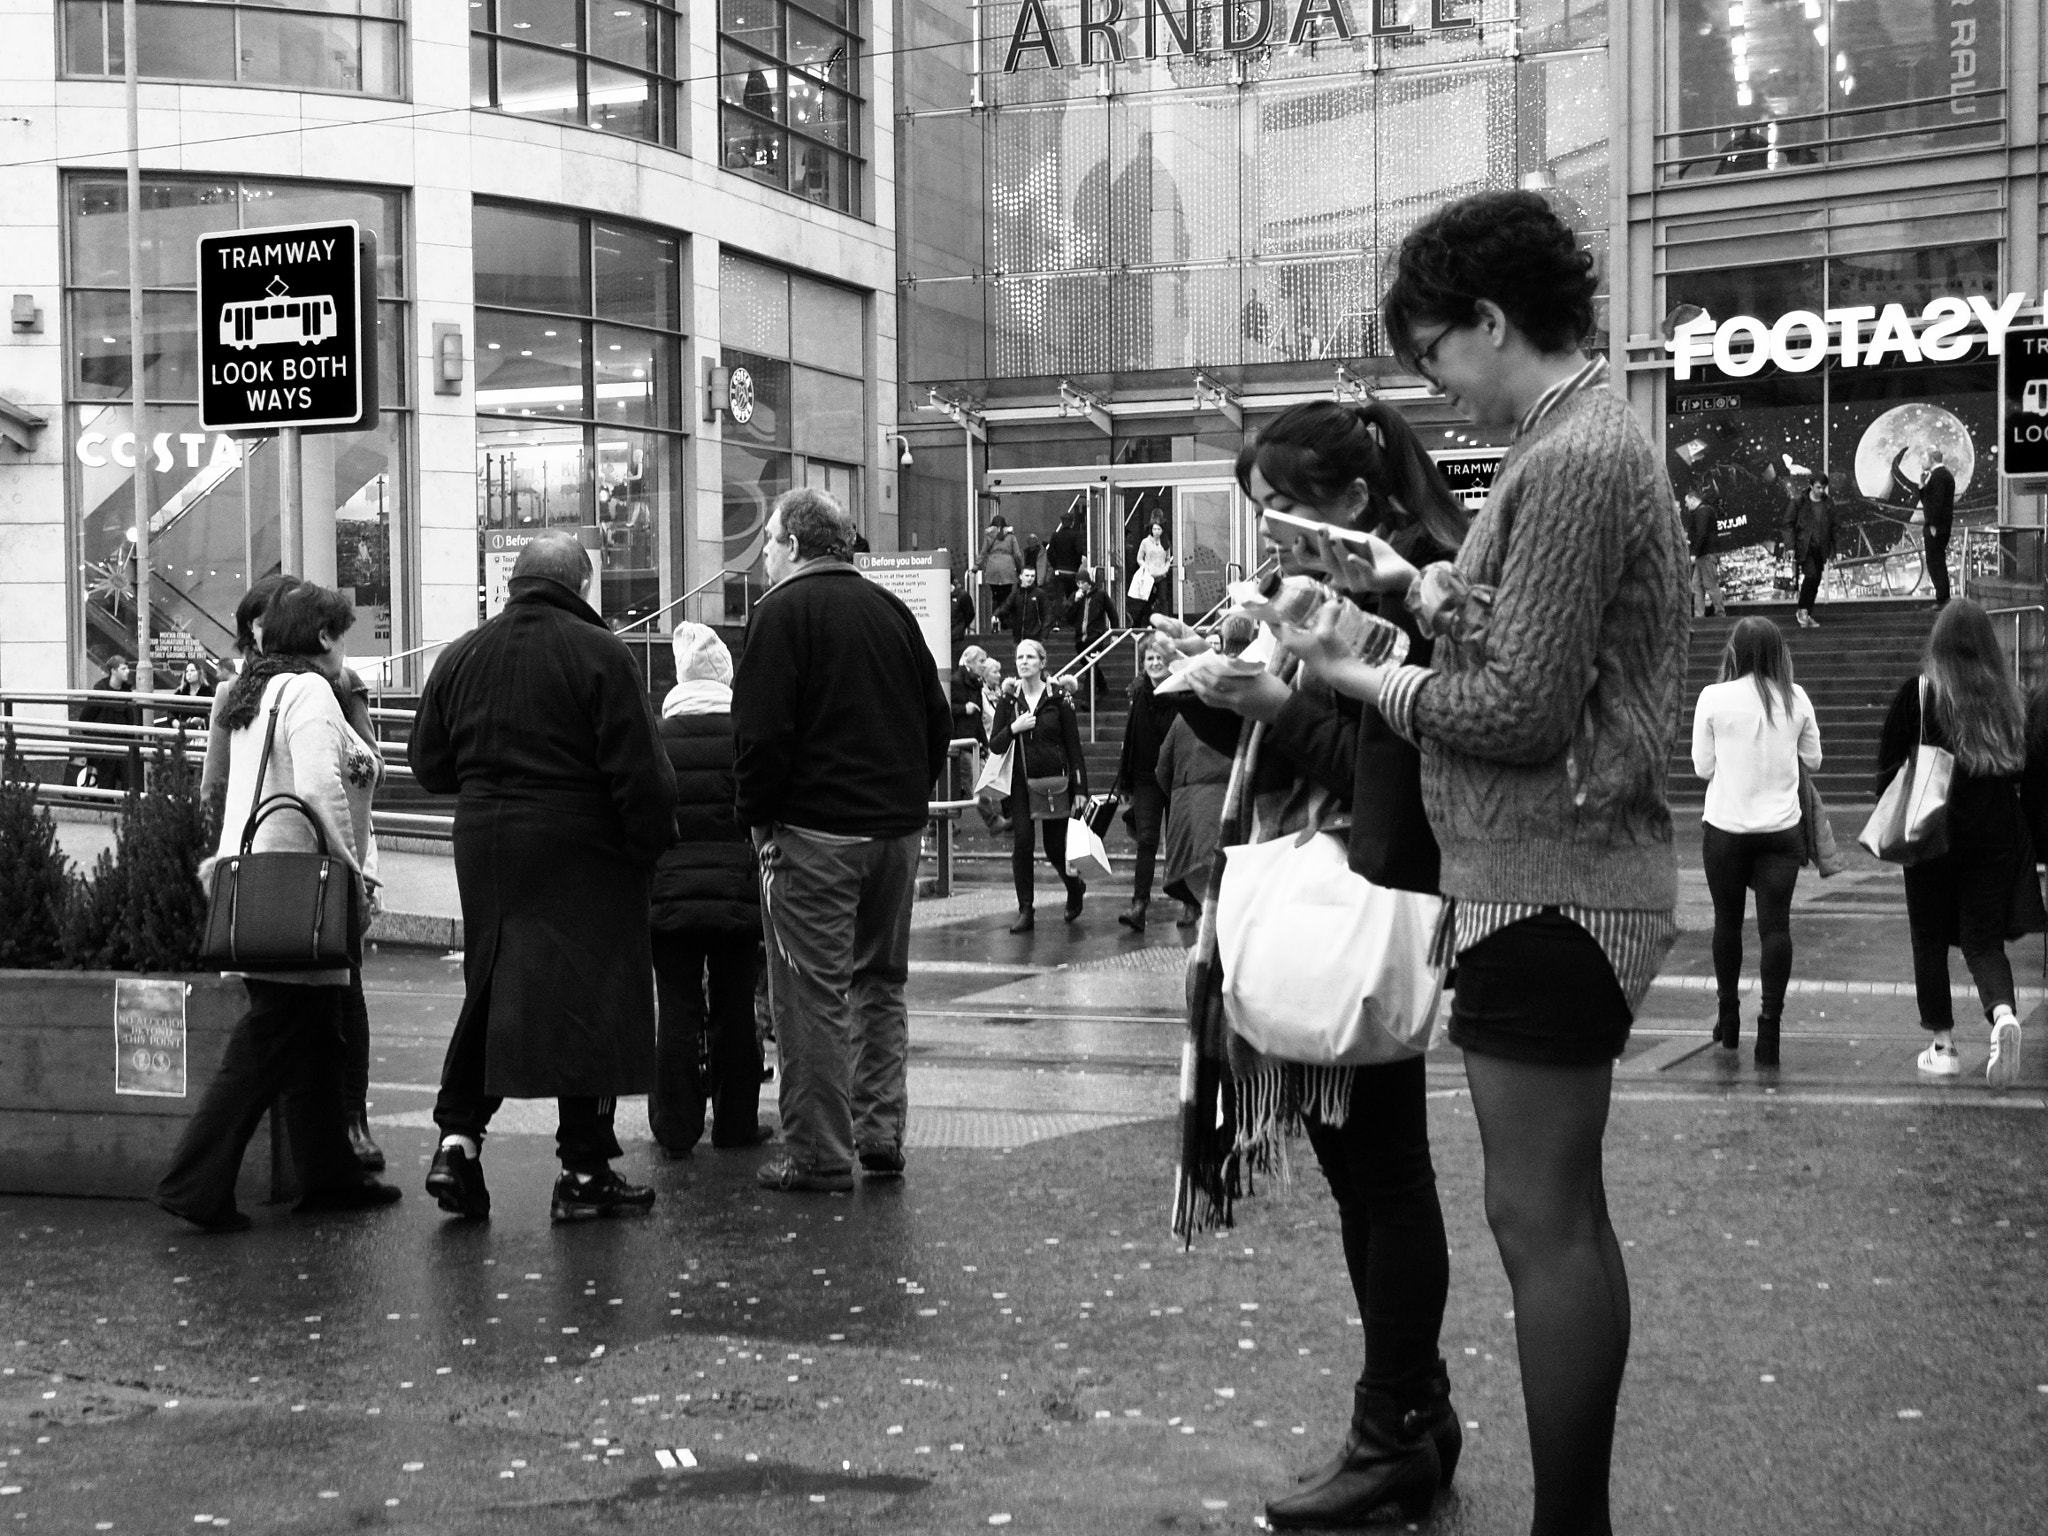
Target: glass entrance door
1188	538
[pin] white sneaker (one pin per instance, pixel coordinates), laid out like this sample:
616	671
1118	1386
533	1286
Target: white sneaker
1940	1060
2004	1065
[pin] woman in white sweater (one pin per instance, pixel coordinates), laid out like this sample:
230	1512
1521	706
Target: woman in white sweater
291	1037
1750	733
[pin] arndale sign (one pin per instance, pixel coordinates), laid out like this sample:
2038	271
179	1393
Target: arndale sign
1800	340
1169	27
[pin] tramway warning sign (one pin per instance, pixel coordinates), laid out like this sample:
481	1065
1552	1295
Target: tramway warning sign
287	328
2023	404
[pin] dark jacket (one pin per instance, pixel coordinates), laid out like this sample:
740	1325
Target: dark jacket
1145	728
962	614
839	720
707	882
1810	528
537	722
1027	613
1702	534
1088	615
1051	748
1066	549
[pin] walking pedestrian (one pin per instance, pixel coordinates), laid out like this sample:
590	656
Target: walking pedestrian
1936	494
1703	537
841	728
1362	467
537	721
1065	553
1193	777
107	768
1751	732
286	735
1028	611
1047	776
1151	582
706	912
1001	558
962	613
1983	889
1546	721
1810	530
1137	774
1088	618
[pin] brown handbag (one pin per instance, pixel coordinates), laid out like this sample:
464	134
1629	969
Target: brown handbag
281	911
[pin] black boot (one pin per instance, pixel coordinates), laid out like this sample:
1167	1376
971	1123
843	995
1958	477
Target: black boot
369	1156
1389	1458
1766	1040
1728	1029
1133	916
1077	891
1433	1414
1027	919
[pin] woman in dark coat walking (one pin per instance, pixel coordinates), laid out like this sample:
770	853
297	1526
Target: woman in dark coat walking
1037	717
1137	781
1194	777
706	912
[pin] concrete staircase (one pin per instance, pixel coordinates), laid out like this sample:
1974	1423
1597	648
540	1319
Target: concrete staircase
1850	667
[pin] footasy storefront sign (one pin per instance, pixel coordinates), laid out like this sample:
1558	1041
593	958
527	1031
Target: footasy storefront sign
1800	340
1123	31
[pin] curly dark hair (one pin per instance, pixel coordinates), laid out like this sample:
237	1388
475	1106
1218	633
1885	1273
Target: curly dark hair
1507	247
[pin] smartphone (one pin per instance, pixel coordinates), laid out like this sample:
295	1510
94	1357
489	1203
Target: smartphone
1285	528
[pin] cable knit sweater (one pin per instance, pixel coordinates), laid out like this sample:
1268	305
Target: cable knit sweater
1547	719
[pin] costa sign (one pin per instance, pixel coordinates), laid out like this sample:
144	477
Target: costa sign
1165	28
1800	340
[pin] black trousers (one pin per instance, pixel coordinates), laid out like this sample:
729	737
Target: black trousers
583	1134
1377	1163
1737	862
705	1046
355	1034
1810	569
1937	565
288	1041
1148	811
998	594
1964	898
1024	832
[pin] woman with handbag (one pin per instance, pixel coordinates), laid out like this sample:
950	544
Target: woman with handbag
1306	758
1151	584
1546	721
1137	782
1983	889
1047	775
1752	731
299	780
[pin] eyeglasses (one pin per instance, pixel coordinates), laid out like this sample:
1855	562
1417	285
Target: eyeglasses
1425	358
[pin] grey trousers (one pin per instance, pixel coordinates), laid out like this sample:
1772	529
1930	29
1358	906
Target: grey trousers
837	914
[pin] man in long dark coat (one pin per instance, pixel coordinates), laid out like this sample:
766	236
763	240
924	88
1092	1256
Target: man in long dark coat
539	721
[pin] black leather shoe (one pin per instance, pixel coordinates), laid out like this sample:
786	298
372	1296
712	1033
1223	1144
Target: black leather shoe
881	1162
456	1181
1027	919
1766	1042
1388	1459
351	1197
1077	893
581	1197
369	1156
1133	916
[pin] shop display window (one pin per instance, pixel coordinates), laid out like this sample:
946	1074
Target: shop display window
604	64
796	352
790	103
355	47
1777	85
215	525
579	410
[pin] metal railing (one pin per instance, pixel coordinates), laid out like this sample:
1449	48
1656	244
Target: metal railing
2020	650
1817	138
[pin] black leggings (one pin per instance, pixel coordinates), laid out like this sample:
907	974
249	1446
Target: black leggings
1055	838
1378	1166
1768	863
1148	812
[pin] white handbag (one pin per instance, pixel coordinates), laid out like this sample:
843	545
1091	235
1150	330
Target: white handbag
1910	824
994	779
1320	965
1087	859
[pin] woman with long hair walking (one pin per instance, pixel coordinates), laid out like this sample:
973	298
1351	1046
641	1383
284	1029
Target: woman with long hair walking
1752	731
1983	890
1047	775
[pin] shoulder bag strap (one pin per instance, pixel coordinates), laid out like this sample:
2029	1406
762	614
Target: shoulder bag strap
262	774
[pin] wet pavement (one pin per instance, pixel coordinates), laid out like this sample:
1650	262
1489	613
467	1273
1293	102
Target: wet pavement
1837	1274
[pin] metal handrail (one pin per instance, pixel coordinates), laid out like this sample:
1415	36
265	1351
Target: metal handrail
1824	119
703	586
2016	610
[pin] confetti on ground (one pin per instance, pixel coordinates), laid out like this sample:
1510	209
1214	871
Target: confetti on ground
1909	1413
1003	1519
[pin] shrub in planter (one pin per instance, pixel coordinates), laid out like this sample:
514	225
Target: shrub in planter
142	908
35	881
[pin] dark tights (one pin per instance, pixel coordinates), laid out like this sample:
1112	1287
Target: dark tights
1546	1200
1378	1166
1769	862
1055	837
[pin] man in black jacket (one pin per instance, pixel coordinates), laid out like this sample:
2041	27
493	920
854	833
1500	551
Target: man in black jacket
1028	611
841	729
539	722
1936	494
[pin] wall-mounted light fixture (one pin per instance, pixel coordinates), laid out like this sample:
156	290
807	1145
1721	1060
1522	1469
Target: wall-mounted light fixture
717	390
27	315
449	363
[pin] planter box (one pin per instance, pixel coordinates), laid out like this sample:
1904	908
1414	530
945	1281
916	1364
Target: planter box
63	1128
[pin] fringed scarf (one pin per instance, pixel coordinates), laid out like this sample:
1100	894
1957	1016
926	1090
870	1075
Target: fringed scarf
246	697
1238	1108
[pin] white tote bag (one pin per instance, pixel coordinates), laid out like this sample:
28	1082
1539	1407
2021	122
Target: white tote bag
1087	859
994	778
1320	965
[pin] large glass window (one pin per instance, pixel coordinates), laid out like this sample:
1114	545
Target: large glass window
789	93
1772	85
215	527
803	348
604	64
578	391
353	46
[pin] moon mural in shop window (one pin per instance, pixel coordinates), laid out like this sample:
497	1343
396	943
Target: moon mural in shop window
1918	428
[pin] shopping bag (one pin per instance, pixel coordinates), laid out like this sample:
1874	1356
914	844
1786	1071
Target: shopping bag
1141	586
994	779
1320	965
1910	824
1101	814
1087	859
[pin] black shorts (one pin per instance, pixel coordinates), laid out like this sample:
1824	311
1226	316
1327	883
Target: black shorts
1540	990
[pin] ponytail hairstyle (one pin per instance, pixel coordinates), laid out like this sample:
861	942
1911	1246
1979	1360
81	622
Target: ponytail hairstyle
1314	452
1973	696
1756	649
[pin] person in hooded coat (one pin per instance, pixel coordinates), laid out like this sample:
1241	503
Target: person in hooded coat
538	722
707	919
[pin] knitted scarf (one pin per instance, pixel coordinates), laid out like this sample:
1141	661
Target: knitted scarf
246	697
1238	1108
